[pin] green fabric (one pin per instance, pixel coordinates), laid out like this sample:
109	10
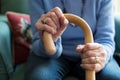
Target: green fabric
117	35
3	72
117	38
18	74
6	66
5	46
14	5
3	18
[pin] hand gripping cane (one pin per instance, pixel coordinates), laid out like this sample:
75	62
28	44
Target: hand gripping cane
50	47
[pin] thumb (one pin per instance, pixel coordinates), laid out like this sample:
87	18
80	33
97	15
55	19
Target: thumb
80	48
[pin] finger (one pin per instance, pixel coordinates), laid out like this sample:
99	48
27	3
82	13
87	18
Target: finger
47	28
63	21
49	22
39	23
92	67
58	12
60	30
63	26
92	53
91	60
92	46
80	48
54	18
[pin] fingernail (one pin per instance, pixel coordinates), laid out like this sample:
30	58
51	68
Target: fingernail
66	21
78	46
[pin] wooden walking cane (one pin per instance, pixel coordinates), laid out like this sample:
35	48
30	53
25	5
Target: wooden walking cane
50	47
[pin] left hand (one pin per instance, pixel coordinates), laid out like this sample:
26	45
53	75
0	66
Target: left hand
93	56
53	22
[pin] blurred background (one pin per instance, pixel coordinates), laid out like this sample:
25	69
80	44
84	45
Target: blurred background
117	5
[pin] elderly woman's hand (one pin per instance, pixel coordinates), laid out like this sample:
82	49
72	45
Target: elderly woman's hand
53	22
93	56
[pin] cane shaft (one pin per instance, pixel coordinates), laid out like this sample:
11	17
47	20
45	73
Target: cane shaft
50	47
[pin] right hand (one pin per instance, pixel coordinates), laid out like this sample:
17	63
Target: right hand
54	23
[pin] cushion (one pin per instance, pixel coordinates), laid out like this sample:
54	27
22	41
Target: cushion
21	35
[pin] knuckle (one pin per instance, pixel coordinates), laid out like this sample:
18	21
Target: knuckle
37	25
45	27
88	45
47	20
52	14
92	59
88	53
56	8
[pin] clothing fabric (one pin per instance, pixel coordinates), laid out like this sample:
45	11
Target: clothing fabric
39	68
98	14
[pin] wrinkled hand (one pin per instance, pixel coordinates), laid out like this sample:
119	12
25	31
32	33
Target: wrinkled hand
53	22
93	56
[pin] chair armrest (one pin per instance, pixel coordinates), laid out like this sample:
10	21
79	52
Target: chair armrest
5	46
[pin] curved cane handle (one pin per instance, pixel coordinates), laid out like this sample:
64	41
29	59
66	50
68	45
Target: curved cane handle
50	47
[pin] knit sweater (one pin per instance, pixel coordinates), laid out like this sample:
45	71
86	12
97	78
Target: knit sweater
97	13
